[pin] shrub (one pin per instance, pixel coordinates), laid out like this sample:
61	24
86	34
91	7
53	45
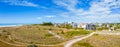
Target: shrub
4	31
0	34
32	45
8	33
96	34
62	32
48	35
47	24
85	44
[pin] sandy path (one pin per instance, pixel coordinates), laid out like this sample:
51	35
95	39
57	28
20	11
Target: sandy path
69	43
58	36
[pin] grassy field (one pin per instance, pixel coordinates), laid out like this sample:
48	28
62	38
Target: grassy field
27	34
99	41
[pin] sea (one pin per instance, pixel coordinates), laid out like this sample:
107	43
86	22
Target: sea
11	25
14	24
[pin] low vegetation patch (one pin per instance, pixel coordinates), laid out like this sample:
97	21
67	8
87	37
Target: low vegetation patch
76	33
102	28
95	34
83	44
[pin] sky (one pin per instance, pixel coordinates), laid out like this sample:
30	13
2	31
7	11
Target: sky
58	11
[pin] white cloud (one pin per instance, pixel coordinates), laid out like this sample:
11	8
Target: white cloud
20	3
50	16
98	9
103	8
68	4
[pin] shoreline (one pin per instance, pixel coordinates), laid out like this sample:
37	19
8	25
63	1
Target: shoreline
10	25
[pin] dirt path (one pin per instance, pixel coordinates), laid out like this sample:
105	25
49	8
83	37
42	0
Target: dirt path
58	36
69	43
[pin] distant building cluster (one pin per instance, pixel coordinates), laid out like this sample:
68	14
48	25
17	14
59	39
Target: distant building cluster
87	26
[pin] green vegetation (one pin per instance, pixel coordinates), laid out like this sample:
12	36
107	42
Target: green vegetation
32	45
68	26
117	26
62	32
102	28
83	44
48	35
76	33
47	24
4	31
95	34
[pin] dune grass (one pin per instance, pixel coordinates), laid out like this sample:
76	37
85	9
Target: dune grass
30	33
74	33
99	41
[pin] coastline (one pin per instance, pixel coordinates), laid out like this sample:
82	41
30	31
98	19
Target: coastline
10	25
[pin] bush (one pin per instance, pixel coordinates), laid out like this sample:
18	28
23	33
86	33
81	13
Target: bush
8	33
32	45
62	32
4	31
96	34
47	24
0	34
85	44
48	35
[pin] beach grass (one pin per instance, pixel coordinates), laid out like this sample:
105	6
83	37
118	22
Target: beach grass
99	41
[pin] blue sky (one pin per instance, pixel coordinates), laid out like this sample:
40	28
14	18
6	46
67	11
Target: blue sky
37	11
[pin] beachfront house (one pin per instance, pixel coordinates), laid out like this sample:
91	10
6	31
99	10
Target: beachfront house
90	27
74	25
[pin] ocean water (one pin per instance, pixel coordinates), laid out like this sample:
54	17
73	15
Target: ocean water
9	25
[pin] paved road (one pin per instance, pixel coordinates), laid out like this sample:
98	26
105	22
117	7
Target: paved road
69	43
